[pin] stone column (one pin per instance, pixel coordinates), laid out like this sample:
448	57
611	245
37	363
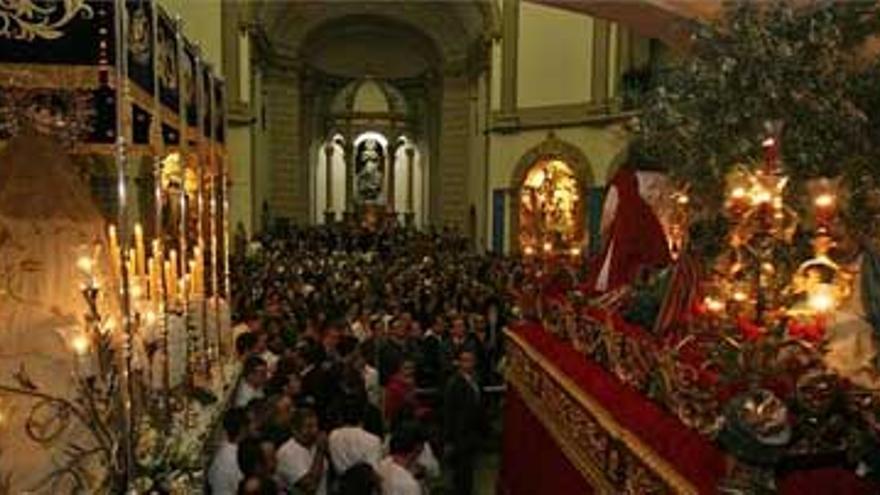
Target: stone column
329	215
289	195
410	214
449	190
349	179
391	191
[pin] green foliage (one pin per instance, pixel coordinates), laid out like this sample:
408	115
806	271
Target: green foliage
768	62
646	299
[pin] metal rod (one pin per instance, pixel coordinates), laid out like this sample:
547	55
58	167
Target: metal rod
122	102
183	242
203	155
215	173
159	256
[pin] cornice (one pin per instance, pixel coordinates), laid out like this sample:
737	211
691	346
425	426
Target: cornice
558	116
240	114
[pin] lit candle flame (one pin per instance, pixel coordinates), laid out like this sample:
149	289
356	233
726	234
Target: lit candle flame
714	305
80	344
85	265
824	200
821	299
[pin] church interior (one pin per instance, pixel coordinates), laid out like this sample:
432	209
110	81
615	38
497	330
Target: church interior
445	247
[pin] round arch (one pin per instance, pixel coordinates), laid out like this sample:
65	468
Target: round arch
552	148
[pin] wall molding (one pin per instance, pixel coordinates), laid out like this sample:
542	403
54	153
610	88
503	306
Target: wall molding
559	116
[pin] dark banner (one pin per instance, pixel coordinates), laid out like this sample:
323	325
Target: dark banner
219	111
75	32
140	124
189	85
168	63
140	43
208	120
104	117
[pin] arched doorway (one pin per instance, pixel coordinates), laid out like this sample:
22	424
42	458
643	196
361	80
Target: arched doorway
548	191
551	208
375	164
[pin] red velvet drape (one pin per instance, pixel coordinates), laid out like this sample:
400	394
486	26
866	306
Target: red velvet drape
532	462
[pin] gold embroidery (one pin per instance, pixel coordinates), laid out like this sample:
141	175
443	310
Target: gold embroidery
27	20
50	76
606	454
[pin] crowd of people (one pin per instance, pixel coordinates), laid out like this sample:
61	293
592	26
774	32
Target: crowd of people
366	359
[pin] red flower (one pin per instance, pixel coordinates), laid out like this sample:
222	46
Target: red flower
811	331
699	309
750	331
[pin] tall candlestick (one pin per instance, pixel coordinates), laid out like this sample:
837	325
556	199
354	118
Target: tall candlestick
140	249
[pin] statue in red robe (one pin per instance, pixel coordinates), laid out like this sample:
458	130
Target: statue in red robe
634	241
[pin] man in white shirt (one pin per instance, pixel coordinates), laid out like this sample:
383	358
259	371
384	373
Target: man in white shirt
256	374
302	460
224	475
394	470
350	444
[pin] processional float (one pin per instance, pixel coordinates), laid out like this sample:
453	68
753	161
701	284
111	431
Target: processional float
144	115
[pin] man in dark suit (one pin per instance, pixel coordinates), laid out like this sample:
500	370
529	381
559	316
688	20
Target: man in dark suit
463	421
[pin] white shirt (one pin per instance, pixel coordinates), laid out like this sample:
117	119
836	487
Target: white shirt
359	331
428	461
246	393
396	480
224	475
271	359
350	445
294	462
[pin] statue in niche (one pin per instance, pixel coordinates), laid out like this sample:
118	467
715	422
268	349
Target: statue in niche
369	171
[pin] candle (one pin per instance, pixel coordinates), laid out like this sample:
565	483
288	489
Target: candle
155	277
198	270
80	346
174	267
157	249
140	249
114	251
132	264
194	278
169	280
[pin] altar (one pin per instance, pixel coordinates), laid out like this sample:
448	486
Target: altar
570	427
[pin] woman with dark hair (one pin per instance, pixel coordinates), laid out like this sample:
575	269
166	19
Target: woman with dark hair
360	479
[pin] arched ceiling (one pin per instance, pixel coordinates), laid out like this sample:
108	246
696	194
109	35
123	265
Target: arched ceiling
361	46
451	28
